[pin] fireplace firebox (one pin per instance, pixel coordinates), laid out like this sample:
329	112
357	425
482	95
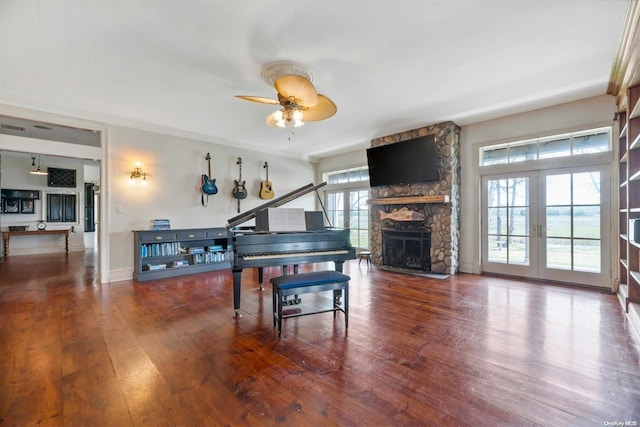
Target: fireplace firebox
407	249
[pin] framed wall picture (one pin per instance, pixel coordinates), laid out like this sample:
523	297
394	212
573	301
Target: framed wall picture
26	206
11	206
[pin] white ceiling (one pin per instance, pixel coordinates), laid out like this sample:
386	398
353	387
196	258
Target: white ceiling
174	66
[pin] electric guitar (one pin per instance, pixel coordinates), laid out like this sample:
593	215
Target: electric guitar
208	184
266	190
239	192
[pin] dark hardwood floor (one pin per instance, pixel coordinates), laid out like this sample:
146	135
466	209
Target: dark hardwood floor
467	350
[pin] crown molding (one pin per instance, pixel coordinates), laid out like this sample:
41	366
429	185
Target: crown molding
626	67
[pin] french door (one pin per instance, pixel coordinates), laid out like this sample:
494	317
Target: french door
348	208
552	225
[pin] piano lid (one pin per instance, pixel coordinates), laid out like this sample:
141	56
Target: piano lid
278	201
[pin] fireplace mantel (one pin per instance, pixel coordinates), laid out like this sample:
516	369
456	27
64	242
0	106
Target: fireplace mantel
408	200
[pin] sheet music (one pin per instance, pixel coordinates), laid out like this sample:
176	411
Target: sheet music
286	219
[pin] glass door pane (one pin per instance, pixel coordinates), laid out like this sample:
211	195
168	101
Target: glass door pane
507	225
575	239
335	208
359	218
508	214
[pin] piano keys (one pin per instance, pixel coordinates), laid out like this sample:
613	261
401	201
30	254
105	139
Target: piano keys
285	255
265	249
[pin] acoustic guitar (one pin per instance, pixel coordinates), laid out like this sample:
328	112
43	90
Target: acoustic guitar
208	184
239	191
266	189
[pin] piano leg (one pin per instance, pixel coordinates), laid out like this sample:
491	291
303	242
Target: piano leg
237	275
260	277
339	265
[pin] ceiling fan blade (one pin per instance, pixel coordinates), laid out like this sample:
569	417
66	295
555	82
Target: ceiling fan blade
259	99
297	89
324	109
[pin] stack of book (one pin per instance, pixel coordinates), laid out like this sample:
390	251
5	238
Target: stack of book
182	263
161	224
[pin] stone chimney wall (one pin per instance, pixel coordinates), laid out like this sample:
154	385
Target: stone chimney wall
442	218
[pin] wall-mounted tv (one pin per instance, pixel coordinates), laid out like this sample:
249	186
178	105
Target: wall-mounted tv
406	162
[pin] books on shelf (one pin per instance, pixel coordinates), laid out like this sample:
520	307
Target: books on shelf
211	257
148	250
153	267
160	224
181	263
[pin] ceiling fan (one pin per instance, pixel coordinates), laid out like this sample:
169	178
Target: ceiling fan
296	95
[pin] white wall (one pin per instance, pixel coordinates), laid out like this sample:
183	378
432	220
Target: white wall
341	161
174	189
584	114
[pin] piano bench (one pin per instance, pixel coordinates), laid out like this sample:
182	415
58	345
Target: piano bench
305	283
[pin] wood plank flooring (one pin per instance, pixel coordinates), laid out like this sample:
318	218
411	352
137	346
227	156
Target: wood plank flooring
464	351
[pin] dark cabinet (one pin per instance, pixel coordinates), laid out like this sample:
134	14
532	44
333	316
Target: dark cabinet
61	208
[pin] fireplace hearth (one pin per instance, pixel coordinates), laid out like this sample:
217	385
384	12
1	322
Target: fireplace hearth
407	249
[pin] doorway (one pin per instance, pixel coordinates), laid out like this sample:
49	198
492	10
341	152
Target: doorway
552	225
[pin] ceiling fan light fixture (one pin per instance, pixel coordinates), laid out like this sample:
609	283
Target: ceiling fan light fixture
287	116
278	116
297	118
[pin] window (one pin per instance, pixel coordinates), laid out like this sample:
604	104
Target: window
564	145
359	174
346	199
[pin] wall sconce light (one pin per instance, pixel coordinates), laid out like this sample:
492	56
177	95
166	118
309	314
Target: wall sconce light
136	174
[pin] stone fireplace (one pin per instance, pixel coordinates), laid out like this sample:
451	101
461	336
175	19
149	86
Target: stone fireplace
433	209
407	249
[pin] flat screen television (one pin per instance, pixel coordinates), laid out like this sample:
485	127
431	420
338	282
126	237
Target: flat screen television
406	162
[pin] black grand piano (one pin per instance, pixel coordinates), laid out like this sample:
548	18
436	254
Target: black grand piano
266	249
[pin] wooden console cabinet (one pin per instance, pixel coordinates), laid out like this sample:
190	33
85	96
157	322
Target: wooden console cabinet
168	253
